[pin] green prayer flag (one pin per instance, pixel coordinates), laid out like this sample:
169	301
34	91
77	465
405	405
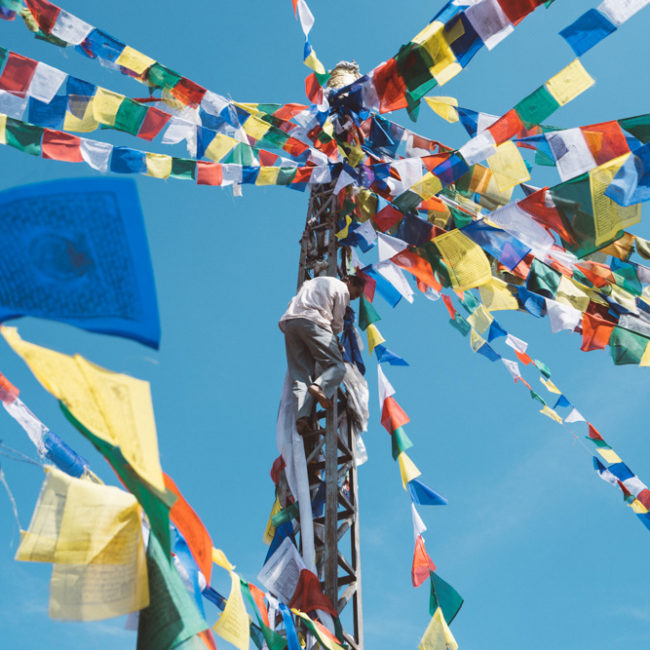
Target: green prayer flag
129	116
543	159
543	279
638	126
274	137
285	515
413	64
183	168
241	154
159	75
367	313
155	504
470	302
534	395
535	108
543	368
407	201
460	324
22	136
400	442
626	277
460	218
273	640
171	617
627	347
443	595
3	56
286	175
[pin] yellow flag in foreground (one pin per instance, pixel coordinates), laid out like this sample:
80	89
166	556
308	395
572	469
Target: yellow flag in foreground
234	624
114	407
407	469
438	636
93	535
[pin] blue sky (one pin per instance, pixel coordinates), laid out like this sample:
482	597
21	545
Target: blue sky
544	553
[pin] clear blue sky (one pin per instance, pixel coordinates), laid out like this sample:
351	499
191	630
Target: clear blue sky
544	553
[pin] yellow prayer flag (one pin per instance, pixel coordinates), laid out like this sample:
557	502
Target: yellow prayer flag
106	103
267	176
255	127
324	635
550	413
114	407
269	531
93	534
570	294
3	124
343	233
234	623
645	359
508	166
219	558
609	216
476	341
468	265
638	507
569	83
445	107
438	636
374	338
495	296
624	298
219	147
428	186
434	41
159	165
407	469
313	62
492	197
609	455
133	60
480	319
550	386
84	124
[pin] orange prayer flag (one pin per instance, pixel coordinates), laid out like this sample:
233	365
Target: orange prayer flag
596	332
191	527
258	597
417	266
422	563
392	415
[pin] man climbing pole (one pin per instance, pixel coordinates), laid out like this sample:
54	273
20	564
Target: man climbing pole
310	325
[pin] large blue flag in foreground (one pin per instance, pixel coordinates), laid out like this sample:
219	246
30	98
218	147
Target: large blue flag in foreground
76	251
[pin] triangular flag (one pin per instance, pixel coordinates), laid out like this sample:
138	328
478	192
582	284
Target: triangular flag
407	469
443	595
423	495
438	636
374	338
422	563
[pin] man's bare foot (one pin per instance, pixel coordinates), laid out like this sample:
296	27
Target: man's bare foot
302	426
318	393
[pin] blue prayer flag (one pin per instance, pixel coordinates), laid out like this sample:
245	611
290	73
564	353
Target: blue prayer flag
76	251
591	28
423	495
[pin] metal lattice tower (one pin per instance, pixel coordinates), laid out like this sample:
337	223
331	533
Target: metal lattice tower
329	448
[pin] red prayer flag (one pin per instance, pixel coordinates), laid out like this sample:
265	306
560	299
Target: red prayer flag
18	73
422	563
267	159
392	415
593	433
390	87
596	332
417	266
309	595
303	174
644	497
524	358
192	529
450	306
153	123
295	147
44	12
518	9
208	173
188	92
546	214
387	217
8	392
313	89
506	127
58	145
606	141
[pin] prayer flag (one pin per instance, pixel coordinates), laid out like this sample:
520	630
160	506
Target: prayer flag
443	595
438	636
422	563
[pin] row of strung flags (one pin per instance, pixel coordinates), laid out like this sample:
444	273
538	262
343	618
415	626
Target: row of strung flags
114	552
